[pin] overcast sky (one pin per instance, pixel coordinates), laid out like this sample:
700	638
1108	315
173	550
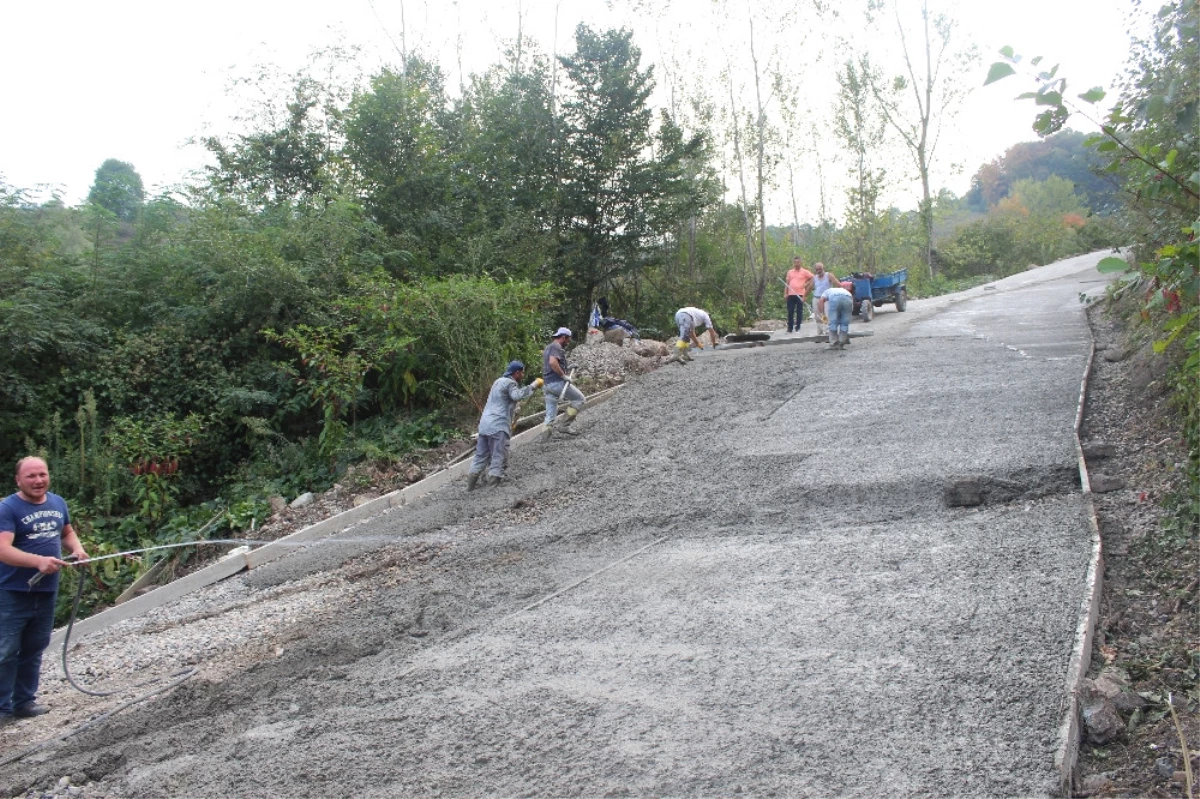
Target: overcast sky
134	80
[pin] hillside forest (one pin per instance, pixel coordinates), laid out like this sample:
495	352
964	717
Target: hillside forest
352	270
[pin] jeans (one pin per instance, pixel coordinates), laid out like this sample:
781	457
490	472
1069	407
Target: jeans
573	397
795	306
838	308
26	623
685	324
492	450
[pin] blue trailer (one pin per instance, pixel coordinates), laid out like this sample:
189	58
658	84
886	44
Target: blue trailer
871	291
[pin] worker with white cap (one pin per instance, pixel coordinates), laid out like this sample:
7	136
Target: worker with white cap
558	386
495	425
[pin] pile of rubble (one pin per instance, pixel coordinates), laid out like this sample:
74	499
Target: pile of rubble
612	357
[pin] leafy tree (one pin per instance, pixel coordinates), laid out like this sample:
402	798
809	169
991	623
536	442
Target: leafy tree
467	329
276	167
396	141
1063	154
118	189
1053	197
609	184
504	137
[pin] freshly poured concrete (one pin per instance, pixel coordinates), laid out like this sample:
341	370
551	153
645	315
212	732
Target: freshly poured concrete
741	578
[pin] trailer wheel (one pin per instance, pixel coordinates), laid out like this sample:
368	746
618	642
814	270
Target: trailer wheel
901	300
868	311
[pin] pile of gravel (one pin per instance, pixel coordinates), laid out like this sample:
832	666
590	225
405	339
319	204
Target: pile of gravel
609	363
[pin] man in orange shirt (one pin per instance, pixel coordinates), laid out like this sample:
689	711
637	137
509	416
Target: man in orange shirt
797	281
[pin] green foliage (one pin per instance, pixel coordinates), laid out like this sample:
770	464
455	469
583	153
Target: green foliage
396	139
1064	154
389	438
1037	223
464	330
118	190
334	367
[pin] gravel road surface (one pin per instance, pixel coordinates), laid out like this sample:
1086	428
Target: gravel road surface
742	578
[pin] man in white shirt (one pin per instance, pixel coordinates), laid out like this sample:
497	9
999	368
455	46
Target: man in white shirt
688	319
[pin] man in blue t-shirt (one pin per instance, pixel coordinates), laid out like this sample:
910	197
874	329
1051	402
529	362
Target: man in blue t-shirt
34	528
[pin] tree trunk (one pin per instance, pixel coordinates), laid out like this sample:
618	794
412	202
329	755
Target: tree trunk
760	290
737	150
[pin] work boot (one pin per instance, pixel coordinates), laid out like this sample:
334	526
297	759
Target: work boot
844	339
473	480
547	431
494	480
566	426
29	710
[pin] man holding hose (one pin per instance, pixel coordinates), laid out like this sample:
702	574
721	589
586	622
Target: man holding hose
34	528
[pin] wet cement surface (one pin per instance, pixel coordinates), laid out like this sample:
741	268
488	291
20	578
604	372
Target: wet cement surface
740	579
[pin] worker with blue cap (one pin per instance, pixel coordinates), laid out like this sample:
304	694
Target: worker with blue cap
495	425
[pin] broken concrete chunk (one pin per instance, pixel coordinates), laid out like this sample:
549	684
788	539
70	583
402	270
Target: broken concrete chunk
1094	784
1107	686
1127	702
964	493
1104	483
1102	722
1116	354
303	501
615	335
1098	450
278	503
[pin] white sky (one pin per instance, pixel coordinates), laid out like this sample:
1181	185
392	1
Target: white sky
89	80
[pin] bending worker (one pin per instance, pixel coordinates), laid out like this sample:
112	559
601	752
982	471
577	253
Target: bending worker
839	302
495	425
557	386
688	319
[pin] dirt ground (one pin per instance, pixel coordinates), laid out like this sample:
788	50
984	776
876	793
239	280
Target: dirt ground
1148	637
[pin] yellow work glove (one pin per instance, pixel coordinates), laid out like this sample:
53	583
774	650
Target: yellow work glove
538	382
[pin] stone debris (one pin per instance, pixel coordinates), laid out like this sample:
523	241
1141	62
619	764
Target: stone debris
1098	451
1103	483
610	364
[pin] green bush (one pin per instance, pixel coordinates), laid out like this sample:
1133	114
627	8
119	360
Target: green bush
465	330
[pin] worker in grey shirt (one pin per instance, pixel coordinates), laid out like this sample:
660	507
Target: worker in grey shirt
495	424
557	376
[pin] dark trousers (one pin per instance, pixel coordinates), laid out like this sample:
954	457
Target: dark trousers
795	305
26	622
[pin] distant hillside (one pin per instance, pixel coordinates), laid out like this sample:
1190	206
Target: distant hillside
1062	154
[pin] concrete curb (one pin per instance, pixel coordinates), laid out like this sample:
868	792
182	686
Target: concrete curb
1066	756
277	549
